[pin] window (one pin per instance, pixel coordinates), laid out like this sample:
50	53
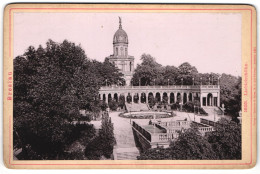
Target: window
116	51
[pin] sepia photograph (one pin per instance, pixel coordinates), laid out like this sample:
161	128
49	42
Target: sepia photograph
122	85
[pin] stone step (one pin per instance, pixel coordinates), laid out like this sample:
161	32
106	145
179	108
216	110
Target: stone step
126	153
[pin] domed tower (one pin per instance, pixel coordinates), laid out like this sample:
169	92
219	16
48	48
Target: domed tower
120	58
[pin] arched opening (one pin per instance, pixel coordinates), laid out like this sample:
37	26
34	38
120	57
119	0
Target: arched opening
190	96
165	98
104	97
172	98
109	98
136	98
129	98
116	97
209	99
116	51
143	98
184	98
130	66
151	99
178	98
121	101
158	97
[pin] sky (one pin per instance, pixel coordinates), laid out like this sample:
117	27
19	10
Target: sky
209	41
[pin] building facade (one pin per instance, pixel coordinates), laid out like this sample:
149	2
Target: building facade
207	95
120	57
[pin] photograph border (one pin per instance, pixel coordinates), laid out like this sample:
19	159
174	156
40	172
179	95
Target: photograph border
248	57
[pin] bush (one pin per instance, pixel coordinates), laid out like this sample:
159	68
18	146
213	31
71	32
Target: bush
113	105
103	144
188	107
175	106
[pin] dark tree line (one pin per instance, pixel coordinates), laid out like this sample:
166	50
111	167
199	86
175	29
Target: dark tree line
150	73
51	85
222	144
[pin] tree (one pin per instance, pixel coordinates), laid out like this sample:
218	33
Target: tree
226	140
230	94
190	145
104	143
148	71
186	74
51	85
113	105
121	101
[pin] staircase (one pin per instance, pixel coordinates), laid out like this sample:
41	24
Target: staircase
136	107
129	153
211	109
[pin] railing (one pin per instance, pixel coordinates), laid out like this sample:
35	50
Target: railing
208	122
205	129
145	133
164	137
179	123
161	87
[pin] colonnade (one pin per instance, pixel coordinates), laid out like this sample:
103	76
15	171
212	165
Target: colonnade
207	95
167	97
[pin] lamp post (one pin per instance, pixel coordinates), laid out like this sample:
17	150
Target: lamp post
223	108
194	111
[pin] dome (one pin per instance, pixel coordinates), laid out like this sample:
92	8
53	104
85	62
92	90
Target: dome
120	36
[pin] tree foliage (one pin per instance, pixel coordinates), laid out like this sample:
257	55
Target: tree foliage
51	85
226	140
190	145
104	143
224	143
149	72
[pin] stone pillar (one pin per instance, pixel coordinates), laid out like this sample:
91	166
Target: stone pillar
161	95
181	98
112	96
106	98
168	95
218	103
101	97
140	96
146	97
201	101
175	97
207	100
132	97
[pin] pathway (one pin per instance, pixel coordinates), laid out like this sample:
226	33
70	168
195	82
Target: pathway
125	148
